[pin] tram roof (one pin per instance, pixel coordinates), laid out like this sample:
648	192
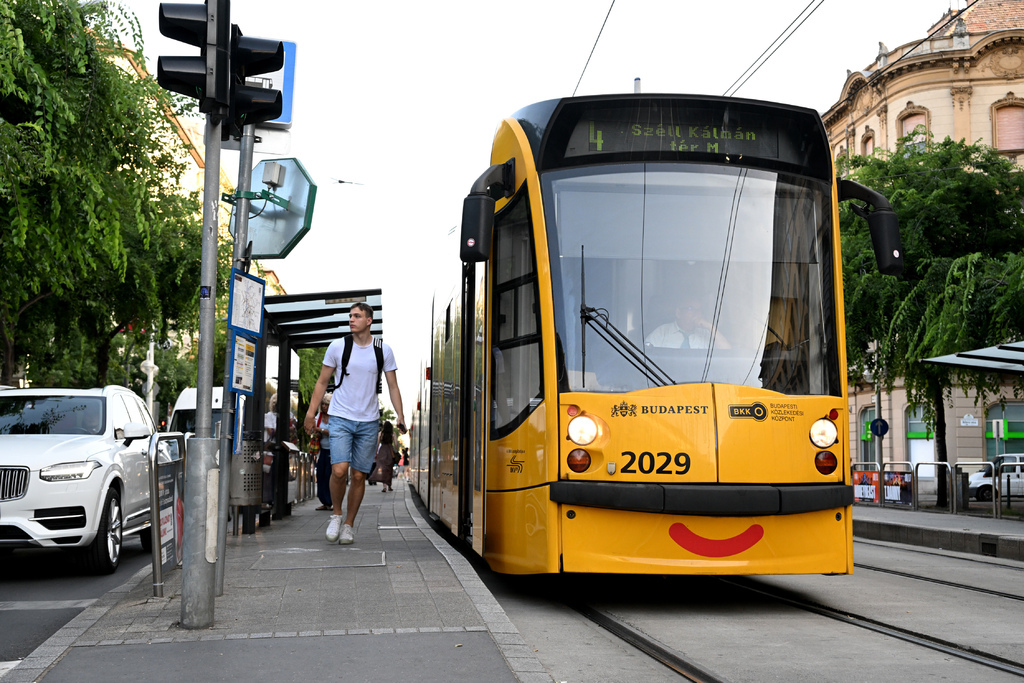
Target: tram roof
1004	358
316	319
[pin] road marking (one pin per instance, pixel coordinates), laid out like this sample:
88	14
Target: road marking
45	604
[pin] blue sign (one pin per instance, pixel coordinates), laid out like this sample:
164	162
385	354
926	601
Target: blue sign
879	427
284	80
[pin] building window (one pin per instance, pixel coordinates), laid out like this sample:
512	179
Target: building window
1007	437
867	145
920	443
867	439
910	119
1009	128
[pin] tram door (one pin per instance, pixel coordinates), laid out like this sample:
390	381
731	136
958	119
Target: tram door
473	421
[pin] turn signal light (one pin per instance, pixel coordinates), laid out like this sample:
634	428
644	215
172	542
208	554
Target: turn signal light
578	460
825	462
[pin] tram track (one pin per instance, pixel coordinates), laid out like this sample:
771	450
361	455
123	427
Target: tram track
921	639
684	666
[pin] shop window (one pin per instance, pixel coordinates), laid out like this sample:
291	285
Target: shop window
867	439
1008	435
920	442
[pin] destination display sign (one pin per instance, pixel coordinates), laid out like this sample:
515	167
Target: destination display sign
617	131
686	128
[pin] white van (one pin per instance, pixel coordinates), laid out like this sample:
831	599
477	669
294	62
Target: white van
183	419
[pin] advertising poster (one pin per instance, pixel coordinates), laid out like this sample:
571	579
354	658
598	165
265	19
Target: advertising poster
865	486
899	488
172	517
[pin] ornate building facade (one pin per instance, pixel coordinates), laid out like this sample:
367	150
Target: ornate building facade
963	79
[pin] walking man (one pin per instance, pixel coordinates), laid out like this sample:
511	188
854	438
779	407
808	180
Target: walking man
353	414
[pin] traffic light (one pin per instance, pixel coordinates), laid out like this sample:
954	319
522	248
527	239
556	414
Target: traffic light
205	77
251	57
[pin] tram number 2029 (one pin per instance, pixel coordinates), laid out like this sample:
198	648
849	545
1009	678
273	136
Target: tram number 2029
657	463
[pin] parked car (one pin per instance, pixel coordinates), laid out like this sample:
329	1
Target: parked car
74	471
979	485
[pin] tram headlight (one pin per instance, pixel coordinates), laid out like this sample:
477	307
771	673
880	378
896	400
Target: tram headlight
578	460
826	462
582	430
824	433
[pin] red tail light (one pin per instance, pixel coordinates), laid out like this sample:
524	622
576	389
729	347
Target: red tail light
825	462
578	460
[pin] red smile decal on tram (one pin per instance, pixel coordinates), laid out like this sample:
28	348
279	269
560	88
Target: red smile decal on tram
711	547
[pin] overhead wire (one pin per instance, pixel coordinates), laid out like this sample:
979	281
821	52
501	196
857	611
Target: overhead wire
593	48
733	89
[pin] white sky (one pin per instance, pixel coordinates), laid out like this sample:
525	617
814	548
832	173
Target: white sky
404	97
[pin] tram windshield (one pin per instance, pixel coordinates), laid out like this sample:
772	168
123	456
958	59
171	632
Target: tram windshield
675	273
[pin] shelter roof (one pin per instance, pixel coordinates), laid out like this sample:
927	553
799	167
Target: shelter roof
1004	358
316	319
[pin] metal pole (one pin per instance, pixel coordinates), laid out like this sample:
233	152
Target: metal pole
199	547
227	419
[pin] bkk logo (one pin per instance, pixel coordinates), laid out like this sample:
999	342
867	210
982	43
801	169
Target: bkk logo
755	411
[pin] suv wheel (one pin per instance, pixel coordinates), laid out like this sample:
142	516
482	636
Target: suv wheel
104	553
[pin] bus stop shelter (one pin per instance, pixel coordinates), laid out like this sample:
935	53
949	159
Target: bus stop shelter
292	322
1004	358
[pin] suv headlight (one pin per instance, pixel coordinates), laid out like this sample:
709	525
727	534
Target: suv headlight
68	471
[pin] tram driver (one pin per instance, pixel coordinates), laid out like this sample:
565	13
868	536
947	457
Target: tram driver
689	330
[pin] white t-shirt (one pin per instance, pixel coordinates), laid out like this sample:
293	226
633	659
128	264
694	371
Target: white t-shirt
356	398
669	336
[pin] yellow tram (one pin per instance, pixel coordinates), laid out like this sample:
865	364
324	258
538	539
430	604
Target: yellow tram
643	367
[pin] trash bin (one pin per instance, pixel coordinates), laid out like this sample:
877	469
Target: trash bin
247	472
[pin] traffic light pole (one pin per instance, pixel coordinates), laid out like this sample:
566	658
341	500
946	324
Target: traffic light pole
228	406
199	546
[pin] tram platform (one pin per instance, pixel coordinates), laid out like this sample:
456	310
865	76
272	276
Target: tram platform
966	533
398	604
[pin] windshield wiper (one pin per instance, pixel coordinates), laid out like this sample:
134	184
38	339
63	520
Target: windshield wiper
598	319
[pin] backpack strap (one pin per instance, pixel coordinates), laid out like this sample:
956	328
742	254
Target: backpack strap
345	356
378	350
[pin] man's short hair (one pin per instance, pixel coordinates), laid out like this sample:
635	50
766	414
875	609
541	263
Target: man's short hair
364	307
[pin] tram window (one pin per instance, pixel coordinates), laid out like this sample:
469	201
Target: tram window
516	359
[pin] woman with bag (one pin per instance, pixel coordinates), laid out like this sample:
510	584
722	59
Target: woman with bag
385	461
320	440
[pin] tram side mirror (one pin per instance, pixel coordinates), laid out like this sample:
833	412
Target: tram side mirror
477	228
883	225
478	210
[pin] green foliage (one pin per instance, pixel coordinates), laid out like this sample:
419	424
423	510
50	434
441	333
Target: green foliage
960	215
100	249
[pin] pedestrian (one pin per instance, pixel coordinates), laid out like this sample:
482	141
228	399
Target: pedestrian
384	463
403	465
323	460
356	362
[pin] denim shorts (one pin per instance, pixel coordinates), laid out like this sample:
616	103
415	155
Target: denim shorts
353	442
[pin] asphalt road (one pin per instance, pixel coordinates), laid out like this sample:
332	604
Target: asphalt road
41	590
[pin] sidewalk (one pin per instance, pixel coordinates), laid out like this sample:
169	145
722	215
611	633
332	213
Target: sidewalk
398	604
1003	538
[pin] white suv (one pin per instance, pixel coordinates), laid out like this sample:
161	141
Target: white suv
74	471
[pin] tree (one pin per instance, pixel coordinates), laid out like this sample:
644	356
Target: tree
960	215
88	185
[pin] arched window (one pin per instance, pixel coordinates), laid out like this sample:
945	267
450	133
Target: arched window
909	120
1010	127
910	123
867	145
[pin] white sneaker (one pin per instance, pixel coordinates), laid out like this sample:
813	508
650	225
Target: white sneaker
334	529
347	536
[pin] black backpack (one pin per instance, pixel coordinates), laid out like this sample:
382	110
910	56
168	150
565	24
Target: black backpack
378	351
